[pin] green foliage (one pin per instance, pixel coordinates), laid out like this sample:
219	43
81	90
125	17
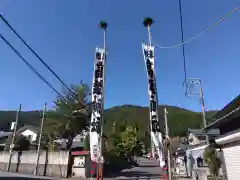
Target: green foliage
179	119
27	117
125	116
103	24
131	123
127	143
212	159
146	145
87	143
21	143
65	108
148	21
129	140
114	158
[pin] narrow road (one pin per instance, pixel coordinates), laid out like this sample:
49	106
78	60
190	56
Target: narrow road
147	170
17	176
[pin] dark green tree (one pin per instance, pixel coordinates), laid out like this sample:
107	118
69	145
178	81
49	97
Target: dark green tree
128	142
21	143
71	113
211	158
87	143
75	108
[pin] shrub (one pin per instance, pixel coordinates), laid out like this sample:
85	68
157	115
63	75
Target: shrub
213	161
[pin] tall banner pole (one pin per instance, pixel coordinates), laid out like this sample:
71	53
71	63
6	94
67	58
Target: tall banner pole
96	125
148	53
150	44
104	26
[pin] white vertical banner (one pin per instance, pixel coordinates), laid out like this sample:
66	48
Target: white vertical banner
156	135
97	104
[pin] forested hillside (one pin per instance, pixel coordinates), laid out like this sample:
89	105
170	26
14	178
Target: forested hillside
179	119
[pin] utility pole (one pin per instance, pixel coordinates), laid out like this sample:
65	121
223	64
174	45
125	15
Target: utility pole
190	85
168	150
40	139
203	106
13	138
203	111
103	26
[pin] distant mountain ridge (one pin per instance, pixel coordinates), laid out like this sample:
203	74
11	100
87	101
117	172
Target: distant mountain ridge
179	119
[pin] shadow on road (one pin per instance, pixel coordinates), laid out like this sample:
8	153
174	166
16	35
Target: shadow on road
113	171
139	174
135	174
148	166
21	178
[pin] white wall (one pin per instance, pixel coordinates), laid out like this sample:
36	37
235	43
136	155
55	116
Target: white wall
57	163
30	157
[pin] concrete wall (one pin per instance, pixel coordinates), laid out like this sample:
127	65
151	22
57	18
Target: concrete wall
57	162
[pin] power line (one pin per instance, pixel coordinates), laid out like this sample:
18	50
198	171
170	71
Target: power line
201	33
183	48
34	52
30	66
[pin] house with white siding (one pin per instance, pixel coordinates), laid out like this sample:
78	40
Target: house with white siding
227	121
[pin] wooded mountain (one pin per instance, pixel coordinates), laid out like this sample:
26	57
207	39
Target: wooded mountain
179	119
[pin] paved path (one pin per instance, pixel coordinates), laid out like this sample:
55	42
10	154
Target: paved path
17	176
147	169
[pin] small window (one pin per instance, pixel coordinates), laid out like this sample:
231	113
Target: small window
202	137
81	139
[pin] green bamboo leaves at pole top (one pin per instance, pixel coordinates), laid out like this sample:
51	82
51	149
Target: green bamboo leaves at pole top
103	24
148	22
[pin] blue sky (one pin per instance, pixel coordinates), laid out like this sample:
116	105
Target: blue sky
65	34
